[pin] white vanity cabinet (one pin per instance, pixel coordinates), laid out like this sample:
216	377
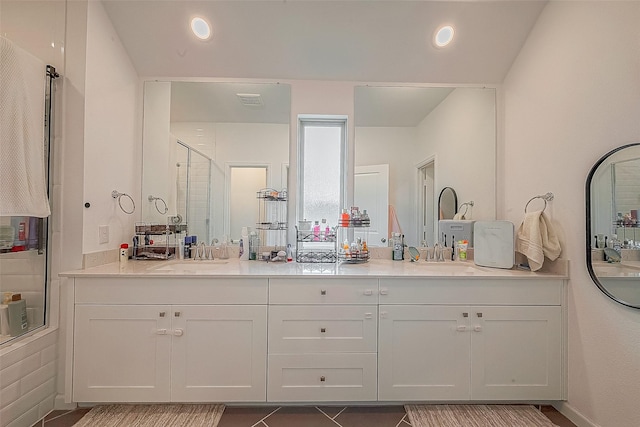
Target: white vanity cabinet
322	340
470	340
159	340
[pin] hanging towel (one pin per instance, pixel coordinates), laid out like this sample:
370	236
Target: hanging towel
23	184
536	239
394	224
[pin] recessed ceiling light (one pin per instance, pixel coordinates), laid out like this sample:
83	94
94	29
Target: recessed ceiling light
200	28
443	36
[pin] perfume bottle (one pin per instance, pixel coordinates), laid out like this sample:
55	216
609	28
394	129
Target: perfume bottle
316	231
325	229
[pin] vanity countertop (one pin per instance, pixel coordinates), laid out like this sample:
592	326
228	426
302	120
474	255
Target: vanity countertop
374	268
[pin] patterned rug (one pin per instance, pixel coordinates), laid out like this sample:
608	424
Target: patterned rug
152	416
476	416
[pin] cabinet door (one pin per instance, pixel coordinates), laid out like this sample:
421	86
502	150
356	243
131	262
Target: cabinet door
423	353
516	353
219	353
121	353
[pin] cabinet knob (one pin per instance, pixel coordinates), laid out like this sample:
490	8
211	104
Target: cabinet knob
162	314
178	332
384	291
323	330
368	315
176	314
322	379
368	292
323	291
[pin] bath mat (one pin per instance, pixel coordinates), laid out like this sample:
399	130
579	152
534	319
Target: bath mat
476	416
175	415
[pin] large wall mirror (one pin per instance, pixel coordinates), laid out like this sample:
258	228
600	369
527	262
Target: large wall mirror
613	228
428	138
208	147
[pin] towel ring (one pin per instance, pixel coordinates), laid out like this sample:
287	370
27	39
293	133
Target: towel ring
117	195
466	208
155	199
545	197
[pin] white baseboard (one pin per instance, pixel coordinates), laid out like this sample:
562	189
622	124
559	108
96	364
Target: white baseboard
574	416
60	405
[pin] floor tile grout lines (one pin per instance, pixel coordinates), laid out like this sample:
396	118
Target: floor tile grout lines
402	421
267	416
58	416
327	415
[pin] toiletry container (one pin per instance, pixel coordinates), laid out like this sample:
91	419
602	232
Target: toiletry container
17	309
397	243
124	254
458	229
4	313
344	218
316	231
19	224
244	244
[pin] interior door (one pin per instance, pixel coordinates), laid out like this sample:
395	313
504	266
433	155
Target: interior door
371	192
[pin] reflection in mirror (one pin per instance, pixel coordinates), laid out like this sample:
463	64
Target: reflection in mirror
200	140
426	137
613	235
447	203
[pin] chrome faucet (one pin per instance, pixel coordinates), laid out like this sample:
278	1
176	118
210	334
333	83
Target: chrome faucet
201	251
438	252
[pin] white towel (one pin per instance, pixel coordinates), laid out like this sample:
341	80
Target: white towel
536	239
23	184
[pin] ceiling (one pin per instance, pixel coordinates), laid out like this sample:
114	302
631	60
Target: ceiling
361	40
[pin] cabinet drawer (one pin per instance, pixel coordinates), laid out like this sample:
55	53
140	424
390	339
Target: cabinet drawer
322	377
174	290
322	329
323	291
472	292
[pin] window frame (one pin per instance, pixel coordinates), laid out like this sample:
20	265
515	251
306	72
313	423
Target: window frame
340	121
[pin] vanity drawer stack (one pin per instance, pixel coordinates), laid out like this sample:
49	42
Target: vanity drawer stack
322	339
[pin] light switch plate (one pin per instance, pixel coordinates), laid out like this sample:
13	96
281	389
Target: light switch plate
103	234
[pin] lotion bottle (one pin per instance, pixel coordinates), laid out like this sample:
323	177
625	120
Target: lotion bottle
17	315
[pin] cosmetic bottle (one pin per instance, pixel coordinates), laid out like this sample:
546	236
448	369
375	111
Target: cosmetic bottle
366	221
316	231
344	218
4	313
244	244
327	230
17	315
124	255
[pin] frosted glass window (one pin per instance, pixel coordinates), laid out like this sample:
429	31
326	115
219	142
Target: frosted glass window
322	147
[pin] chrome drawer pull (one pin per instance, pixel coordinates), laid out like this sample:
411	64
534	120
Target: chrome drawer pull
322	378
162	313
323	292
177	314
323	330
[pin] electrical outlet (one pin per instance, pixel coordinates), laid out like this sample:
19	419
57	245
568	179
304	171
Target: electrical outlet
103	234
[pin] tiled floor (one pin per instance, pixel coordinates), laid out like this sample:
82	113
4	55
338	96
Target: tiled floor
300	416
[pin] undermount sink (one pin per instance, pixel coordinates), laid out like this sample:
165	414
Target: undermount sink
191	265
453	267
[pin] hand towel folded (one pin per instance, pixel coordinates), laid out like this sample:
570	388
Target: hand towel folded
537	239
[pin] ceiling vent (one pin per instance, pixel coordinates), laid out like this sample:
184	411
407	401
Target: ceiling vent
250	99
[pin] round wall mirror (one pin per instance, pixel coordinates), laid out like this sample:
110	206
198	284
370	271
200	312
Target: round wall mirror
613	227
447	203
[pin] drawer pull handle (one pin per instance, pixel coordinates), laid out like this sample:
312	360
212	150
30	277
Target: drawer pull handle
322	379
368	315
162	314
477	328
368	292
465	314
384	291
323	292
323	330
178	332
461	328
479	314
161	331
176	314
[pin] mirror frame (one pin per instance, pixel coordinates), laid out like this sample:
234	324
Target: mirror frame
455	202
588	235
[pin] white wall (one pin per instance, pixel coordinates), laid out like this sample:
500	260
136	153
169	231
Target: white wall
572	95
461	132
112	141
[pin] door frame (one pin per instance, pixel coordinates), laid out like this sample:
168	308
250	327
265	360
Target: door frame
419	199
